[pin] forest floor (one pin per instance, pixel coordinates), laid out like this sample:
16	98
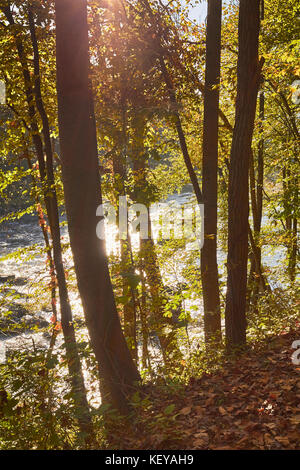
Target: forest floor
251	402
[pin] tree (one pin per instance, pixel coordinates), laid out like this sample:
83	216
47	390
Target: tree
82	190
34	96
209	267
248	77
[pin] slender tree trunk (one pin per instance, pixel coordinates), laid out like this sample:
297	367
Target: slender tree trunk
260	160
286	197
130	311
161	324
77	382
248	73
127	265
82	189
43	225
146	363
255	282
209	266
35	135
73	359
173	100
293	243
130	307
180	132
293	251
290	201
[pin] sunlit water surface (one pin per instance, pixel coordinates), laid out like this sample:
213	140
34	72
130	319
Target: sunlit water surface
19	235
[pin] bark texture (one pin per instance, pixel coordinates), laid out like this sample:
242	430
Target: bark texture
248	74
82	190
209	266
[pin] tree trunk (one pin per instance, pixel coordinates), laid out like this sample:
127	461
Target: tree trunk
130	310
162	325
293	251
44	229
77	383
179	129
146	363
82	190
255	283
248	74
73	359
260	160
173	100
209	266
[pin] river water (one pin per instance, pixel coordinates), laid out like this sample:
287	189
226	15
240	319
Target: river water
20	277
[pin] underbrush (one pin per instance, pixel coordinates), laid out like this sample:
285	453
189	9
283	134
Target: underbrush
37	407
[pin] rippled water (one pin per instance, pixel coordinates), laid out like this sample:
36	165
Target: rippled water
17	235
21	273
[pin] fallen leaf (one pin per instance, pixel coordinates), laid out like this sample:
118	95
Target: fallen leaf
185	411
